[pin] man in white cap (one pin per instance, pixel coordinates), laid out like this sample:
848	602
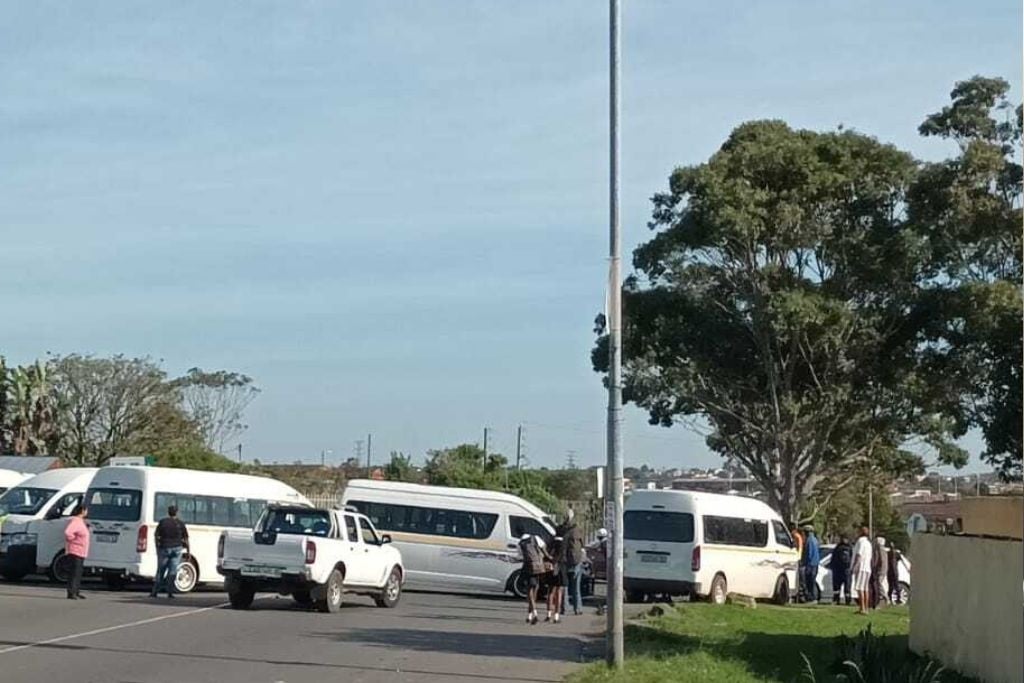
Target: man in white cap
534	567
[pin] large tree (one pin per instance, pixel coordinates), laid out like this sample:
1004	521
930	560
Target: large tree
970	207
216	402
779	303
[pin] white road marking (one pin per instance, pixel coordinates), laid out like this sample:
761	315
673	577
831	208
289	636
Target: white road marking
143	622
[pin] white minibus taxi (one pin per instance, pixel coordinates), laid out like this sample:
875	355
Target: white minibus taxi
10	478
705	545
34	515
126	502
452	538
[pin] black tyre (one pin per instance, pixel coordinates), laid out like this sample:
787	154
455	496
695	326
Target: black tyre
333	591
302	598
240	593
719	590
781	595
636	596
59	570
519	584
392	592
904	593
187	577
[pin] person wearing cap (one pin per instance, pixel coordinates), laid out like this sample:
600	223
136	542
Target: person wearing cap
811	558
171	541
535	567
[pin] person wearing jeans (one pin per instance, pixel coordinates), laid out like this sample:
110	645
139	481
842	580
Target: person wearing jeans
171	541
574	555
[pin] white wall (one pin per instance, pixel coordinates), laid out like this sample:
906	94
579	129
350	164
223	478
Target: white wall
967	609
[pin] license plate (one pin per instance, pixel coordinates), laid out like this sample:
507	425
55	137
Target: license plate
261	570
108	537
657	559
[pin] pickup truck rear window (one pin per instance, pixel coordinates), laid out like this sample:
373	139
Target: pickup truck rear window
298	522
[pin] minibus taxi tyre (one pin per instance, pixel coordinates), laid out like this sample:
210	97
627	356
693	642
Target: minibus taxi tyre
636	596
781	595
59	570
519	584
187	576
392	592
719	590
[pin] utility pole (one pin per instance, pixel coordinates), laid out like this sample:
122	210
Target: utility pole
369	451
485	447
614	638
871	511
239	452
977	478
519	448
359	453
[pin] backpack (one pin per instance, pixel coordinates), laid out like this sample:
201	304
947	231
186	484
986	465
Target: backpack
533	558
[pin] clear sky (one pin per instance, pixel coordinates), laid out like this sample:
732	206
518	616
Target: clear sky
393	214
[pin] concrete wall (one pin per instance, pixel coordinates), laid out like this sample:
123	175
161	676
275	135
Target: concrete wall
967	609
993	516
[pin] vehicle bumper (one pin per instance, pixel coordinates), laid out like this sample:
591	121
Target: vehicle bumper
285	584
18	559
128	570
662	586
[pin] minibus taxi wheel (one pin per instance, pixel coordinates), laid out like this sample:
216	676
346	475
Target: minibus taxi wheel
187	577
781	596
719	590
60	568
636	596
518	584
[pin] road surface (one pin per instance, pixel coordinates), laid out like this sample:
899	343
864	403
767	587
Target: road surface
127	637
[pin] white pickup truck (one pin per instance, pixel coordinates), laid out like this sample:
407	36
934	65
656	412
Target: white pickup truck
313	554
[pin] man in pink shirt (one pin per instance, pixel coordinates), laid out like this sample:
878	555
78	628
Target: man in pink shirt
76	547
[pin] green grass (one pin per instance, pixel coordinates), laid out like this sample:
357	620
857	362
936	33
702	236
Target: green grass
700	642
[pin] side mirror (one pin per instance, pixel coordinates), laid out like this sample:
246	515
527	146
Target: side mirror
53	513
385	538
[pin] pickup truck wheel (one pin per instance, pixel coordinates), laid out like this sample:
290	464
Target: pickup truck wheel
240	593
302	598
333	590
392	592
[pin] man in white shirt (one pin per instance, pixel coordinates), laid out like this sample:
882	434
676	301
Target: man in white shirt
862	554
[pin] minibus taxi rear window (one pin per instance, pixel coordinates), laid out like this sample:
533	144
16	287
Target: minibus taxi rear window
658	525
114	505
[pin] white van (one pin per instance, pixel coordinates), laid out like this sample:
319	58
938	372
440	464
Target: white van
125	504
452	539
10	478
35	513
705	545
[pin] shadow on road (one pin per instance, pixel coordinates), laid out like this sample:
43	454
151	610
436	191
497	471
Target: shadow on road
560	648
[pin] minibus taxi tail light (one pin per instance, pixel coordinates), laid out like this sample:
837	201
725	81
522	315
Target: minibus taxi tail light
695	560
142	542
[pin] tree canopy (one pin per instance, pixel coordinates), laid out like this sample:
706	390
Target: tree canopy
796	296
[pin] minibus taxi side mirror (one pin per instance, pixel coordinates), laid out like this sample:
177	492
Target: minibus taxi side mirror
385	538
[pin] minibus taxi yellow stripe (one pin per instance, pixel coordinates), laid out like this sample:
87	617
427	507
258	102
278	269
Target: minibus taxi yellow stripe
481	544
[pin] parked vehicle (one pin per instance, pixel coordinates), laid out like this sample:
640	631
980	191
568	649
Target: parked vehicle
9	478
705	545
452	539
312	554
825	576
35	513
125	504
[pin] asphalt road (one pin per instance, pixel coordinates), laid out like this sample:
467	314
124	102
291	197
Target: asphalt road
127	637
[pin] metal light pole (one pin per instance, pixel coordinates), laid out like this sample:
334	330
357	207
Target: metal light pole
613	504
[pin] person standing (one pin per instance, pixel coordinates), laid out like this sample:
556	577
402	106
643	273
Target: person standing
533	569
811	558
798	540
171	541
556	579
862	570
76	547
879	573
839	564
894	559
574	554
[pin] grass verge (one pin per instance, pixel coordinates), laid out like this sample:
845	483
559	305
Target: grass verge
700	642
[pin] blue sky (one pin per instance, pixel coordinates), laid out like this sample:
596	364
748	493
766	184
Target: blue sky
393	215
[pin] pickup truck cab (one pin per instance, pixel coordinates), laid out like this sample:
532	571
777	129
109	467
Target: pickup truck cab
313	554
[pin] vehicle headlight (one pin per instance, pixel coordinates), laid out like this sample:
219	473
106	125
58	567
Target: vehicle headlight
22	539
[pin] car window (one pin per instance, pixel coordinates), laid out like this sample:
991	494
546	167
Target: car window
350	529
782	536
369	535
528	525
657	525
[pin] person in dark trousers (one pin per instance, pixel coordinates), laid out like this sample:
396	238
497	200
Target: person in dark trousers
895	594
534	569
171	541
556	579
76	547
810	560
839	564
574	555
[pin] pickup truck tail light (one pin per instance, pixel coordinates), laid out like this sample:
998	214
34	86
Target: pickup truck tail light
695	560
142	541
220	547
310	552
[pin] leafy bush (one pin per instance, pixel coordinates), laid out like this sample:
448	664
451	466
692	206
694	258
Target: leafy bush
867	658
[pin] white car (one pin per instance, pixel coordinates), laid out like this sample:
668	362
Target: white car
313	554
825	576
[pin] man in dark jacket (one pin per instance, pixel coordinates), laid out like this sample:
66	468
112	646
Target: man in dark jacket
171	541
572	544
839	564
